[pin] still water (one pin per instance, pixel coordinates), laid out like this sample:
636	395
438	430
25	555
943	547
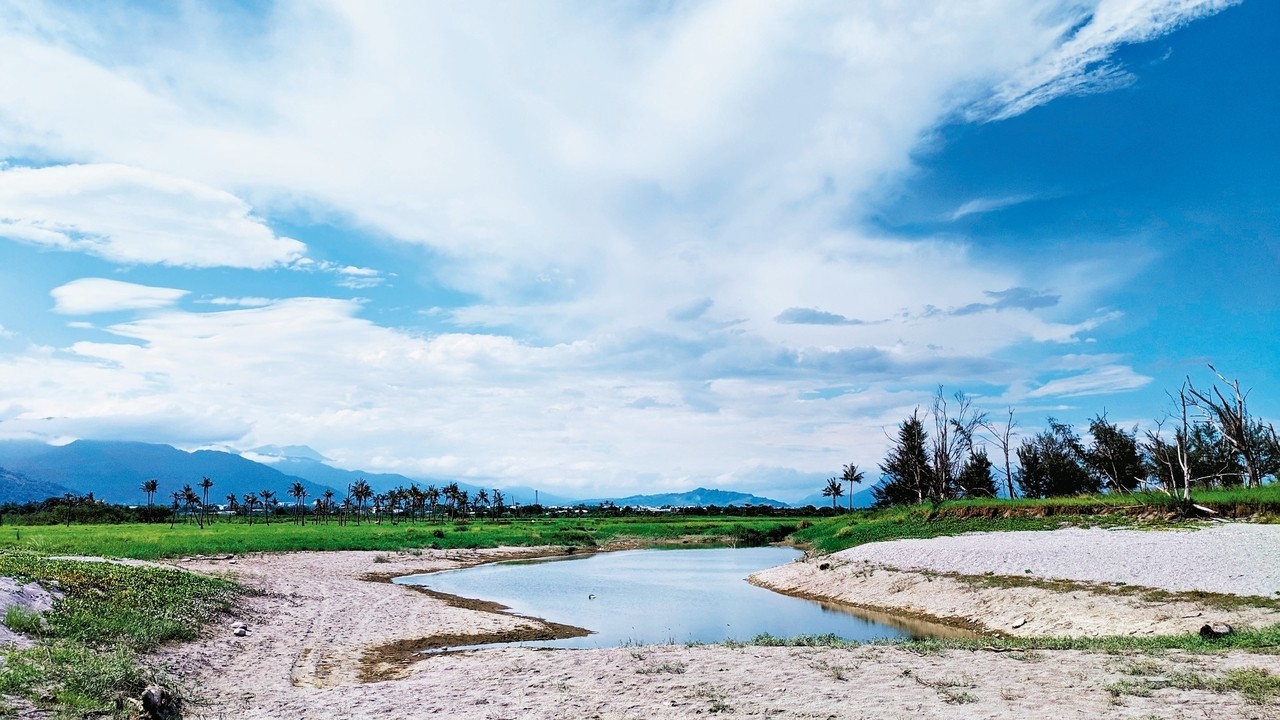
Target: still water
657	596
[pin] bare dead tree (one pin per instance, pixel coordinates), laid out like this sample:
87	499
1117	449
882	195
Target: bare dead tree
1179	465
1232	420
1003	438
952	439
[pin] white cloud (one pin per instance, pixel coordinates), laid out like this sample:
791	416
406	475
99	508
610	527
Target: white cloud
94	295
981	205
631	208
134	216
1079	63
1097	381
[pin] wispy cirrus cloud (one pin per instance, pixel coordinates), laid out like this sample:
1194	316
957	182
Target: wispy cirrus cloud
1080	63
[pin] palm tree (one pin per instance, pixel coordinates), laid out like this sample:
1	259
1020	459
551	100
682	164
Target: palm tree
177	500
328	505
450	493
267	497
298	492
482	501
498	501
433	499
852	475
361	492
250	500
833	490
70	500
191	499
232	505
150	487
205	484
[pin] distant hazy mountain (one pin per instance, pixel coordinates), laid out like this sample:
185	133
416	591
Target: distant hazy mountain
306	465
700	497
861	499
112	471
15	488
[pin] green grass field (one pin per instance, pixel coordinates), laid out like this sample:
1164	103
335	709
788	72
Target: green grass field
960	516
153	541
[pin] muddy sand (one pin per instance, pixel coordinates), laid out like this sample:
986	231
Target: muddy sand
329	637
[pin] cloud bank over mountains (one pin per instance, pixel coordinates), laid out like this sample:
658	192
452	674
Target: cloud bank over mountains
635	256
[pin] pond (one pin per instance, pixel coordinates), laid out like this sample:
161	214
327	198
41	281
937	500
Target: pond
660	596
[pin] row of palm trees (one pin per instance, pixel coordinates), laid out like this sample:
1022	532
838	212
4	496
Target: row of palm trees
398	503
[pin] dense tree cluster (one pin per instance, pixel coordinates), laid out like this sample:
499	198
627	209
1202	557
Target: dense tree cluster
1209	441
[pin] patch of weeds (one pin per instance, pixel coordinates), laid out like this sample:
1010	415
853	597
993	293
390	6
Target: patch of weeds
953	689
1255	685
24	621
1028	656
1136	688
714	697
1140	666
836	672
381	558
672	668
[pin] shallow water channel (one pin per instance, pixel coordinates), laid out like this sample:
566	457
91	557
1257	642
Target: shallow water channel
658	596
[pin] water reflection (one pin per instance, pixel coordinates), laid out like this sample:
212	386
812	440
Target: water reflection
662	596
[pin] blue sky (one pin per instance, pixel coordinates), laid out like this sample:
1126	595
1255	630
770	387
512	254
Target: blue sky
616	248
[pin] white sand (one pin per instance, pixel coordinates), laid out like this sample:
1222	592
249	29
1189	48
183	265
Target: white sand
312	638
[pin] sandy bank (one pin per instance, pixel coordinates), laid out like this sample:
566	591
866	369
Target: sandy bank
1071	582
319	632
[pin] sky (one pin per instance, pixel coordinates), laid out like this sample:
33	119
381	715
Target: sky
614	248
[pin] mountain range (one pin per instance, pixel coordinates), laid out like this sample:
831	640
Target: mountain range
114	471
701	497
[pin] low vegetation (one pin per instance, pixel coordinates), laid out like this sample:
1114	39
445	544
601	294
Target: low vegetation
151	541
954	517
86	657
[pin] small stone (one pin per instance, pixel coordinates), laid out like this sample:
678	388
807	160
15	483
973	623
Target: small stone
159	703
1213	631
240	632
1019	622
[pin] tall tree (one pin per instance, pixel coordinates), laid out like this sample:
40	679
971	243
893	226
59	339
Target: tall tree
268	498
975	476
150	487
205	484
298	492
954	424
361	492
250	502
1113	457
1051	464
1002	435
498	502
852	475
328	505
176	496
908	476
192	501
1228	412
833	490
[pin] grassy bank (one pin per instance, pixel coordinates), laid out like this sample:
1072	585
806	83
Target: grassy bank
961	516
152	541
86	660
